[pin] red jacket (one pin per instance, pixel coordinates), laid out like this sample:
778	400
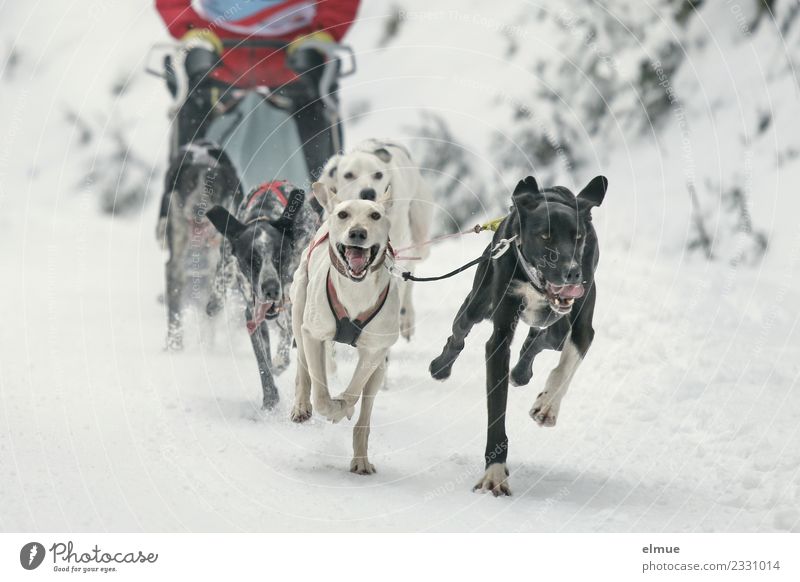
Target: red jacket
249	67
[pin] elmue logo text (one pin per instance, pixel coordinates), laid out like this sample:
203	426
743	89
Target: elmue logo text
31	555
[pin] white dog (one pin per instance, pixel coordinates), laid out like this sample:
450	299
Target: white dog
342	292
376	168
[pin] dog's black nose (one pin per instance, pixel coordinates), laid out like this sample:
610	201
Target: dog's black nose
270	290
358	235
572	275
367	194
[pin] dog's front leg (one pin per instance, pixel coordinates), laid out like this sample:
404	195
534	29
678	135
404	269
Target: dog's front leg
498	354
281	360
223	279
360	463
175	276
368	362
531	347
574	346
407	314
545	409
260	341
314	351
470	313
301	411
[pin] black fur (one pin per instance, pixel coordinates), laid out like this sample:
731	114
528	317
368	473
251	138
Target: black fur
200	176
547	224
263	247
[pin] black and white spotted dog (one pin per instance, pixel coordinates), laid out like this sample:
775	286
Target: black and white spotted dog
263	247
200	176
545	279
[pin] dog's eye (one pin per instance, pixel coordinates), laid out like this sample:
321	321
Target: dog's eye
375	216
378	175
578	236
545	236
349	176
343	215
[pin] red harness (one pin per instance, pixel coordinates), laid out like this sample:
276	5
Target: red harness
275	188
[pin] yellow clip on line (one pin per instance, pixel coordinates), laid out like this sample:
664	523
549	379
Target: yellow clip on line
492	225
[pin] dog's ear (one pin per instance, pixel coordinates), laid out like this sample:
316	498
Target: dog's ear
594	192
526	194
294	202
383	155
386	198
225	223
331	168
330	172
526	186
171	177
325	196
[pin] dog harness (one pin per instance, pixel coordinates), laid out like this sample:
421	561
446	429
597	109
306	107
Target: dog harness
274	188
348	329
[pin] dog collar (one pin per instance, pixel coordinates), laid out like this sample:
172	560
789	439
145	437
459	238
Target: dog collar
533	274
349	330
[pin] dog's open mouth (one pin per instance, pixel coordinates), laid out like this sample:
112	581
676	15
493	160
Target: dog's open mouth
562	297
357	259
269	310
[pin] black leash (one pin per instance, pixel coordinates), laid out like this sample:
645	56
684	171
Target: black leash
407	276
495	252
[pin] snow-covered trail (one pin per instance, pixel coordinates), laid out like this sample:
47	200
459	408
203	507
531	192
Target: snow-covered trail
682	418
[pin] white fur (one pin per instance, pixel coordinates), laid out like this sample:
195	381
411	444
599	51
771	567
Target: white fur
535	307
315	325
411	207
545	409
495	479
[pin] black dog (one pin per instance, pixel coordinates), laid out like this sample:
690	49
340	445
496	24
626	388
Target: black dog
200	175
262	249
546	278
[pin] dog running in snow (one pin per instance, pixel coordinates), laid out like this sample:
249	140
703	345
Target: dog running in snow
343	293
263	246
200	175
377	168
546	279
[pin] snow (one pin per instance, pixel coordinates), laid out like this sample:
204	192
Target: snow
682	418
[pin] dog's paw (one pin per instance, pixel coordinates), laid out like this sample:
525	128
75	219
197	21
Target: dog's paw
362	466
174	342
339	409
440	368
301	412
270	400
494	480
544	411
280	362
521	374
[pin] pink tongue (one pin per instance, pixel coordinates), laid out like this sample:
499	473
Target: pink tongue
261	310
356	258
571	291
